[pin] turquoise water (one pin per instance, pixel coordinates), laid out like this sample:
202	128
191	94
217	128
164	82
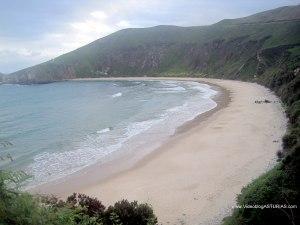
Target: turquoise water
59	128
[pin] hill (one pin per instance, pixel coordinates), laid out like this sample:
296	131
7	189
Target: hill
262	48
235	48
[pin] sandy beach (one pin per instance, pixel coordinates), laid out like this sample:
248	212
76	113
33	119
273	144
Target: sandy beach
194	177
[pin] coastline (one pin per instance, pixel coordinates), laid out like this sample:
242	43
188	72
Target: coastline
194	177
126	160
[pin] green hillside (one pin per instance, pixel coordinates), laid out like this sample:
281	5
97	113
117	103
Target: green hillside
262	48
231	49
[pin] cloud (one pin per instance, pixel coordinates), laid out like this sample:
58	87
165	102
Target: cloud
93	25
99	14
78	23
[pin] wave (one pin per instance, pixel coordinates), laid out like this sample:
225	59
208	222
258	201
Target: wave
171	90
132	136
14	85
119	94
104	130
51	166
205	89
170	87
139	127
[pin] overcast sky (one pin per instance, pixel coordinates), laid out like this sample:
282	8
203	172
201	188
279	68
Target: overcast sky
33	31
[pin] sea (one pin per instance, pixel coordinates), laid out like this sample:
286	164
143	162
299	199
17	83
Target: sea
53	130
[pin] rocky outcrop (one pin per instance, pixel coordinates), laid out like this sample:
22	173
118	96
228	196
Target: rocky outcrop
43	73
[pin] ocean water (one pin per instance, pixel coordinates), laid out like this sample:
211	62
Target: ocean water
59	128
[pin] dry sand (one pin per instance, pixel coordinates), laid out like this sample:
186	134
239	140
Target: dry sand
195	176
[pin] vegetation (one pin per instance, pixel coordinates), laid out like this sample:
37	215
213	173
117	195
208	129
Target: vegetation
281	185
262	48
21	208
227	49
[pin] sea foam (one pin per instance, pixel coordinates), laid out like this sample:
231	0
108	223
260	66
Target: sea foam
119	94
104	130
134	135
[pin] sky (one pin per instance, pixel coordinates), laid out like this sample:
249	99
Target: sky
34	31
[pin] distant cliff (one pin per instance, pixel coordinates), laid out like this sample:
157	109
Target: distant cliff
1	77
235	48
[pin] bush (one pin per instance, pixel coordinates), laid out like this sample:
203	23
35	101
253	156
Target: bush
289	140
91	206
132	213
17	208
294	113
274	187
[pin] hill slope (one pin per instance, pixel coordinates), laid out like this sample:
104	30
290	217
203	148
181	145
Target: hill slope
235	48
264	48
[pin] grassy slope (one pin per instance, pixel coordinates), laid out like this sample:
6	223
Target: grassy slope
263	48
279	71
280	185
176	38
218	50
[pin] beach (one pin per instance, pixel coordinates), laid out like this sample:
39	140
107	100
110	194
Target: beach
195	176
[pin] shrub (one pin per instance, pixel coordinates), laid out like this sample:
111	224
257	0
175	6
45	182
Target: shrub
92	206
279	155
17	208
274	187
130	213
294	113
289	140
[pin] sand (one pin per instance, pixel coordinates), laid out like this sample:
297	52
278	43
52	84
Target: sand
194	177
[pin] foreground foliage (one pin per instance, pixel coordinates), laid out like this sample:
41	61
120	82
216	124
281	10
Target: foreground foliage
21	208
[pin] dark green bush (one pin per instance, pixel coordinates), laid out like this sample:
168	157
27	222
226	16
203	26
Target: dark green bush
294	113
132	213
274	187
91	206
289	140
18	208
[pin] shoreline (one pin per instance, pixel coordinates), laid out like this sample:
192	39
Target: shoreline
132	159
195	176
